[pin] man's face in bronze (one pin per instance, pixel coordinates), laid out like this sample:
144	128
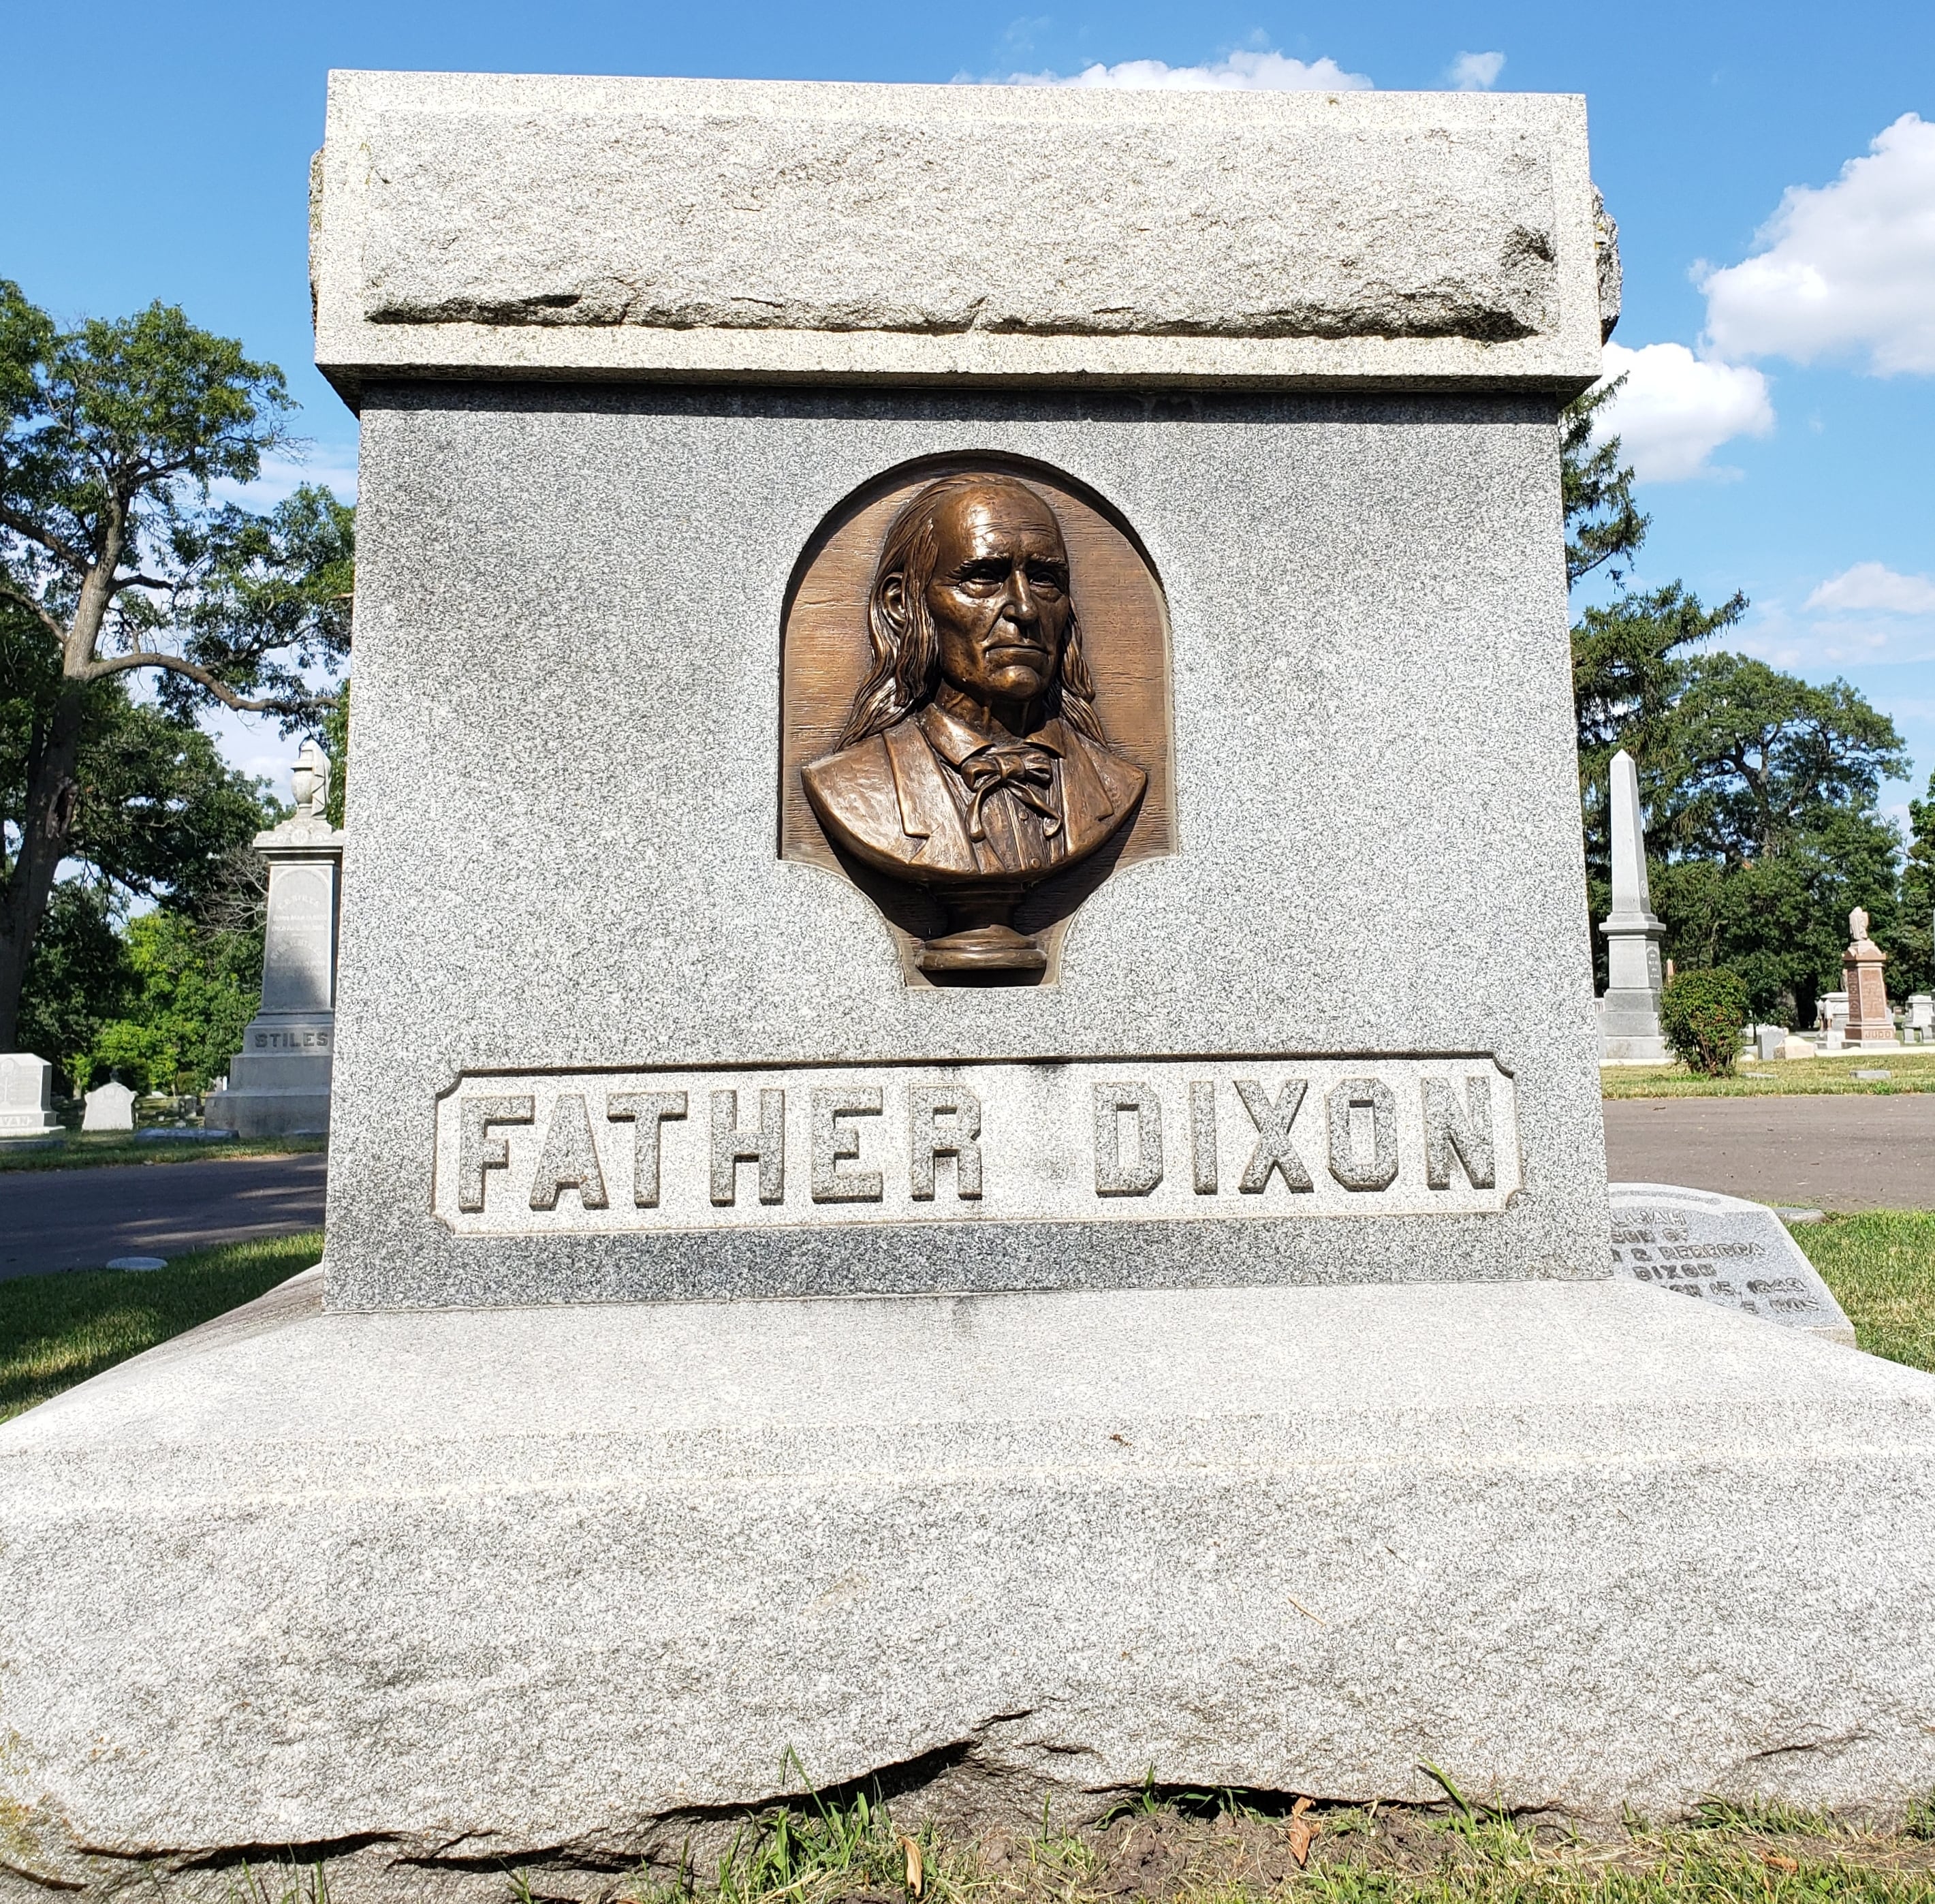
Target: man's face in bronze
999	597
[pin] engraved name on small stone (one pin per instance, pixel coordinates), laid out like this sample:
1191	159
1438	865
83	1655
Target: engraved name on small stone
1084	1140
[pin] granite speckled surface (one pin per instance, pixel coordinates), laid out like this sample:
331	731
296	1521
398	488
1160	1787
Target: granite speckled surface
564	785
498	225
496	1584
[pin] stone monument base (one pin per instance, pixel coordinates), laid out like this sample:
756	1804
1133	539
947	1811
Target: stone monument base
267	1113
279	1082
441	1593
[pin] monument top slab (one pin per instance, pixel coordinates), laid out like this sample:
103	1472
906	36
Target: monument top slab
700	230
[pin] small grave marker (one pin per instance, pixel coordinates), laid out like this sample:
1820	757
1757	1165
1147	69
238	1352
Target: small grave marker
1722	1249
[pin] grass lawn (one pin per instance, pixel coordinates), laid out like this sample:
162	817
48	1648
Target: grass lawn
1881	1266
1910	1070
56	1330
1239	1848
78	1149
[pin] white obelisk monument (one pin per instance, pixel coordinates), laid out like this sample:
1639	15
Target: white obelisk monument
1629	1012
278	1082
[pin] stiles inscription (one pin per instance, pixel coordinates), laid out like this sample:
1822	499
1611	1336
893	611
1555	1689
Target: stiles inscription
1094	1141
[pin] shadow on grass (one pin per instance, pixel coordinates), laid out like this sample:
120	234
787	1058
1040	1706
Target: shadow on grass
56	1331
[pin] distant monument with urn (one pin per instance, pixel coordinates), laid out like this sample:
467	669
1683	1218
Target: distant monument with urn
1629	1012
1871	1021
278	1081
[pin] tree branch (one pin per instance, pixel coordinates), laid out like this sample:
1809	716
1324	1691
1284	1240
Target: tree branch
27	601
220	689
25	525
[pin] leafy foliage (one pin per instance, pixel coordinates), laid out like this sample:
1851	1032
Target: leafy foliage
79	980
115	562
336	743
1702	1014
1761	789
193	992
1912	940
1603	523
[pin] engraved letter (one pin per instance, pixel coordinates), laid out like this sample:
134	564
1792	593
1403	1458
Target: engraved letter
1363	1094
1274	1150
652	1111
477	1150
1114	1178
569	1161
731	1147
927	1142
1470	1134
834	1141
1203	1137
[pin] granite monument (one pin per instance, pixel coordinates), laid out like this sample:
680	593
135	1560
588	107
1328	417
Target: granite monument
1629	1011
1721	1249
108	1106
26	1095
279	1082
1870	1021
1199	1351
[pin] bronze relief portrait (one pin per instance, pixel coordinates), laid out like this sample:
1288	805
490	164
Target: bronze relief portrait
984	775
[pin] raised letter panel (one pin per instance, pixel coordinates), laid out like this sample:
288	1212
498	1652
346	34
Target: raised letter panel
1065	1142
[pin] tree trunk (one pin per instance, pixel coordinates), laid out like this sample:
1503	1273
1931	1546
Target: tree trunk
53	794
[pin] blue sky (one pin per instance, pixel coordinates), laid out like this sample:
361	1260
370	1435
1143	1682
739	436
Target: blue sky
1785	264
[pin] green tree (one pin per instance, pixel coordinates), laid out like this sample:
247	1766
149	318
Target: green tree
114	562
336	743
80	978
1628	652
1760	790
1765	810
1910	940
193	992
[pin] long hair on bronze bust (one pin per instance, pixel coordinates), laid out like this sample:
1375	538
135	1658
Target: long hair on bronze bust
907	652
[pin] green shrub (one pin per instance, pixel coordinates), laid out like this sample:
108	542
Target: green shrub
1702	1014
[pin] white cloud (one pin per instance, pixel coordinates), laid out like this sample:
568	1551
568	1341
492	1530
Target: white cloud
1848	269
1247	72
1476	72
1676	410
333	465
1868	587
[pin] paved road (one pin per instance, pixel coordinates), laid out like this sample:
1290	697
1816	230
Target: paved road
1823	1154
1833	1154
77	1219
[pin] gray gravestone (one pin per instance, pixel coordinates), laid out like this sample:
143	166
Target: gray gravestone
279	1081
109	1106
566	800
26	1095
1722	1249
1629	1011
1254	1399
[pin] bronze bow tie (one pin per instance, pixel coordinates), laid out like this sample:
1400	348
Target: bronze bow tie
1020	768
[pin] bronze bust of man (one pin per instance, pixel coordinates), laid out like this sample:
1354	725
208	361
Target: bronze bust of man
973	763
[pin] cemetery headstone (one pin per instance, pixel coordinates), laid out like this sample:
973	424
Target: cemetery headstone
26	1095
1921	1025
108	1106
1721	1249
279	1081
930	663
1629	1011
1769	1040
1870	1021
